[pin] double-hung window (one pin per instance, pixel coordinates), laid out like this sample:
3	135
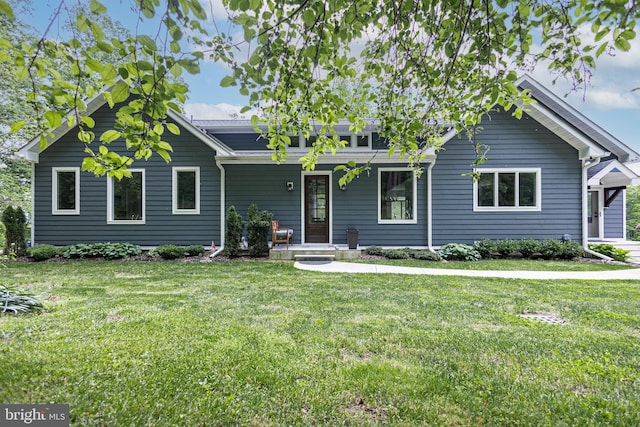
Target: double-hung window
186	190
397	195
126	199
65	191
507	189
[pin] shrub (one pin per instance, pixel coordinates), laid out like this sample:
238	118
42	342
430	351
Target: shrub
15	224
374	250
550	248
459	252
100	250
170	251
528	247
397	253
15	301
571	250
258	226
233	233
611	251
43	252
194	250
506	247
425	255
486	248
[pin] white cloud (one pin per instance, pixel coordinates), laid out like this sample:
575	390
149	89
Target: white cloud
221	111
613	99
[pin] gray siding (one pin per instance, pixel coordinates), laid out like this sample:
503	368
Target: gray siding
160	227
513	143
613	219
356	207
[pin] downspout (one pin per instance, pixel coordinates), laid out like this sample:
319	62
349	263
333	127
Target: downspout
585	192
429	206
223	209
33	204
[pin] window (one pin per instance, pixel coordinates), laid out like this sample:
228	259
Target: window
362	141
126	199
397	190
186	190
507	189
65	186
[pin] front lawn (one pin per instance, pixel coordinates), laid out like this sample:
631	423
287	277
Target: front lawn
260	343
506	264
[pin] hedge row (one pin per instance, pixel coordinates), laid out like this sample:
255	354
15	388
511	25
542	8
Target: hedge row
486	248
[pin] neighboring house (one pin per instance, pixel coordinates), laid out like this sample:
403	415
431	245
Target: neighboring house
551	174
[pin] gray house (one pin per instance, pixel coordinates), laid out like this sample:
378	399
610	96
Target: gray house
550	174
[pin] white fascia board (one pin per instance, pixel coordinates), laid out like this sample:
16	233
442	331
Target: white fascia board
608	177
220	148
378	156
31	151
586	148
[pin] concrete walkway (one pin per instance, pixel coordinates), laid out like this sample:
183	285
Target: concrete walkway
352	267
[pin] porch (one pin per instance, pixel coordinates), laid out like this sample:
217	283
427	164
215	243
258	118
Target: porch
313	252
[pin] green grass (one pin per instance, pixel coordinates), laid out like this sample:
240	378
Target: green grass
504	264
260	343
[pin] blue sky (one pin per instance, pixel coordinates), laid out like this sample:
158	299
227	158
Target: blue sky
609	99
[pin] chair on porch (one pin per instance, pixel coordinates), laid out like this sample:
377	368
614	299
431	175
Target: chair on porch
280	235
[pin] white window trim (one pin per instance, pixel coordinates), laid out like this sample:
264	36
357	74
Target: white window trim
517	171
54	191
110	219
353	141
174	192
414	212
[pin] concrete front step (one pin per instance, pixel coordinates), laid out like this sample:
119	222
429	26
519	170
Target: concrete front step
314	254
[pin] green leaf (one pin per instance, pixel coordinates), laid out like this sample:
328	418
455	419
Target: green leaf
120	92
108	72
227	81
147	42
6	9
15	127
254	121
97	7
110	136
88	121
173	128
109	99
54	118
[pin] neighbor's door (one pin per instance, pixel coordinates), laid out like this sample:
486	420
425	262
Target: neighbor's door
316	201
594	214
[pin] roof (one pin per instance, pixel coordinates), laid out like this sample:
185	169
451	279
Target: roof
31	151
559	116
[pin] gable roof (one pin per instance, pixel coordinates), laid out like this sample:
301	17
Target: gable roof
571	125
31	151
612	174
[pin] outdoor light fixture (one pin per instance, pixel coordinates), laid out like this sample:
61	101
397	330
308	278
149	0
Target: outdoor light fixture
289	186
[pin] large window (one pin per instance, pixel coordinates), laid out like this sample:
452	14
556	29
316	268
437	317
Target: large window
65	186
186	190
507	189
397	191
126	199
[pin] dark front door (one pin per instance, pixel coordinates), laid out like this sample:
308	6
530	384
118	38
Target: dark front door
316	202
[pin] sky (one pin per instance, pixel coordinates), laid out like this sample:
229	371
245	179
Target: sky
609	100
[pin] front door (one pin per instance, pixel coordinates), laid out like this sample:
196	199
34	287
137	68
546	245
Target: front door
594	214
316	202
